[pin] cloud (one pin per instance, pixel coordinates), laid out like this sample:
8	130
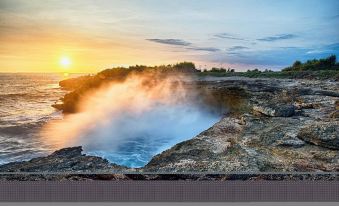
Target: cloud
327	49
176	42
227	36
186	44
209	49
272	57
278	57
278	37
235	48
334	17
334	46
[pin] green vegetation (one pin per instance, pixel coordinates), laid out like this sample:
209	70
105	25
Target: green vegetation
82	85
321	69
328	63
326	68
215	69
120	74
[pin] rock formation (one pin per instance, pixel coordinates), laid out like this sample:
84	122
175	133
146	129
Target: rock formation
269	125
288	126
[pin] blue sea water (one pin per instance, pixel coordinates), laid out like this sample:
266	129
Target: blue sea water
25	107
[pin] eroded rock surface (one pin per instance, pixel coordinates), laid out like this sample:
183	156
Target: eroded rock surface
325	134
269	125
288	126
64	160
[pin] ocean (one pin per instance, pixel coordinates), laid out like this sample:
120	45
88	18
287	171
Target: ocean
123	138
25	106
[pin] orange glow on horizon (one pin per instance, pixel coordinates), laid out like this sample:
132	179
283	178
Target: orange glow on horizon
76	52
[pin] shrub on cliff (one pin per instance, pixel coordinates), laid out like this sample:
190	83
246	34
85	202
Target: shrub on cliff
81	85
329	63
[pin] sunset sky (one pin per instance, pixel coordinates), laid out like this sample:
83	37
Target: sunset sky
88	36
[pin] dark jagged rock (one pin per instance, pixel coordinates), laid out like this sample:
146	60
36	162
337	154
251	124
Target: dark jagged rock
75	83
275	110
68	152
300	134
172	177
295	142
325	134
64	160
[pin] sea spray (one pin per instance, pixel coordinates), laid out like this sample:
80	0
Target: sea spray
129	122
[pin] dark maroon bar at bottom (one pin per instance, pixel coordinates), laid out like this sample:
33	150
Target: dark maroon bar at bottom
169	191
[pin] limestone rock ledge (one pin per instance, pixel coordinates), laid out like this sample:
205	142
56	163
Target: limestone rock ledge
273	126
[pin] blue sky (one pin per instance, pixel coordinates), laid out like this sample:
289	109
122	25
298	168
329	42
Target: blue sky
242	34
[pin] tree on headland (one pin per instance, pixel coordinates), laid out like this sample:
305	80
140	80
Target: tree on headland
297	65
332	60
254	70
329	63
215	69
220	70
186	67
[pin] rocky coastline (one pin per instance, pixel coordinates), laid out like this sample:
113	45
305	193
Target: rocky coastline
268	125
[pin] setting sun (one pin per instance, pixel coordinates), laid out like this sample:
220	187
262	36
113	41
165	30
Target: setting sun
65	62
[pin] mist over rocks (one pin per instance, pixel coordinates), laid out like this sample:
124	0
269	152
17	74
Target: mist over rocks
81	86
244	140
135	118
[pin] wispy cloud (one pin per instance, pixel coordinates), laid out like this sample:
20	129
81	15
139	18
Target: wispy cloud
334	46
327	49
278	57
185	44
177	42
236	48
227	36
334	17
209	49
278	37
